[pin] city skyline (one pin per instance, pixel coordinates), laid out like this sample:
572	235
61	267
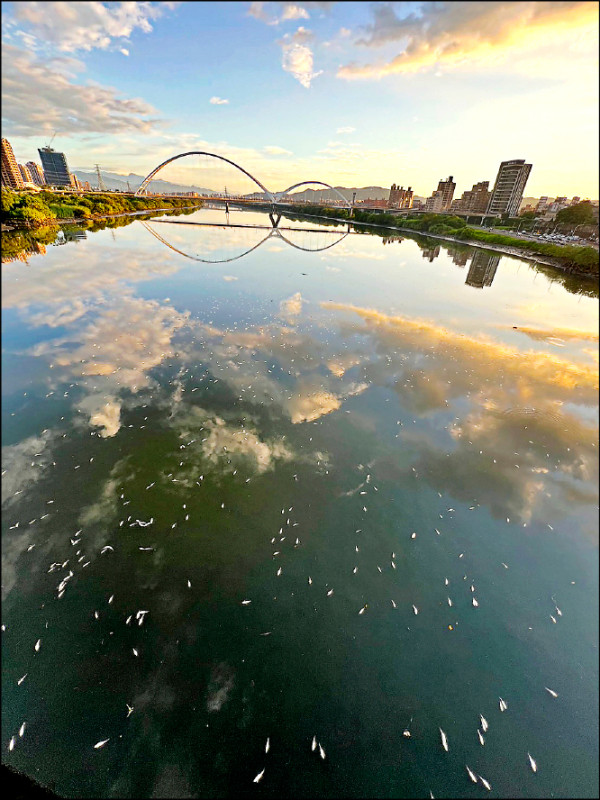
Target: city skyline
250	76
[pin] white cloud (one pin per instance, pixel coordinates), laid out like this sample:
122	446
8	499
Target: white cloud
125	51
347	129
62	105
273	150
86	25
294	12
297	57
289	309
218	101
272	13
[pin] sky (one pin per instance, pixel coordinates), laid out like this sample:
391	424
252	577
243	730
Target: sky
349	93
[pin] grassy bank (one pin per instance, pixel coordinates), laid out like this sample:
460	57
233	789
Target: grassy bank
576	259
24	209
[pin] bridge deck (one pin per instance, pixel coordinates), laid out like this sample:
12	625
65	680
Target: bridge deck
237	225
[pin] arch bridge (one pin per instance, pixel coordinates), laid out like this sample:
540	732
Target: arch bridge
274	198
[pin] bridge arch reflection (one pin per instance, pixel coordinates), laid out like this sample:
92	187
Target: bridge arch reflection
272	233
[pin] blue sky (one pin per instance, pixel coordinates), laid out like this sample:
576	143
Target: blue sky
348	93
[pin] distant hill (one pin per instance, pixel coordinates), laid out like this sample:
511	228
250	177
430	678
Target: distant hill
317	195
113	180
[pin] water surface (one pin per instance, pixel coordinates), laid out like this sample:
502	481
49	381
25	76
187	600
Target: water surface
340	429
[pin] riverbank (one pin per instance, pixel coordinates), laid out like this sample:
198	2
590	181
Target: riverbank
533	252
28	210
29	226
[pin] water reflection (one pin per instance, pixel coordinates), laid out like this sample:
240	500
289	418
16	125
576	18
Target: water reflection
482	270
274	232
245	462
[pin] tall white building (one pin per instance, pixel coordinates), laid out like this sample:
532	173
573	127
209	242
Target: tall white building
508	189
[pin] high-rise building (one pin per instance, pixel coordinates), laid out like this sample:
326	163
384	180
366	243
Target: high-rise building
508	189
400	197
55	167
434	204
25	174
11	175
36	173
575	200
476	199
542	204
441	199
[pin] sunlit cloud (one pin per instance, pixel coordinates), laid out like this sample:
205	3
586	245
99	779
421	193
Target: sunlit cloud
218	101
451	34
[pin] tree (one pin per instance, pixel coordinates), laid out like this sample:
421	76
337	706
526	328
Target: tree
579	214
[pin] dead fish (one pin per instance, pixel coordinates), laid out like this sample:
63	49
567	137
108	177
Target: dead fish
394	604
268	745
313	745
474	601
135	652
20	681
532	763
246	602
37	645
258	777
415	609
502	704
11	744
363	609
22	729
471	775
321	752
550	691
101	743
485	783
449	602
444	740
484	723
329	593
481	739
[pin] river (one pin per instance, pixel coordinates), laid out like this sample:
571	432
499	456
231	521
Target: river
280	505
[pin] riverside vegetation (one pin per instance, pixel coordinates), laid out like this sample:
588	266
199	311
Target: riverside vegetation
580	259
26	209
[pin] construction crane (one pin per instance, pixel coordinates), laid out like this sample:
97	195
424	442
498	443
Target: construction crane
51	140
101	185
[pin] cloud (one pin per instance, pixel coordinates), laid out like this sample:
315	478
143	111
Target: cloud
62	105
274	150
86	25
290	308
297	57
347	129
453	33
218	101
124	50
274	13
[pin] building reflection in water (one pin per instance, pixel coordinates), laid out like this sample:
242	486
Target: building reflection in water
431	252
482	270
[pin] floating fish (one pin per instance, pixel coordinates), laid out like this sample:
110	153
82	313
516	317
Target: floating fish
449	602
101	743
309	580
313	745
329	593
394	604
129	709
11	744
37	645
485	783
481	739
444	740
363	609
415	609
258	777
551	691
406	733
413	536
471	775
502	704
20	681
22	729
474	601
532	763
246	602
268	745
484	723
321	752
135	652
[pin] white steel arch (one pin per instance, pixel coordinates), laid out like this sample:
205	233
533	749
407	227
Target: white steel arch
151	175
279	195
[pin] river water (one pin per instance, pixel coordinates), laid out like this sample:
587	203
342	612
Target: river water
264	486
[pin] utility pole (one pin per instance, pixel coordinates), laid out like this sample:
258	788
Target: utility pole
101	185
128	187
352	206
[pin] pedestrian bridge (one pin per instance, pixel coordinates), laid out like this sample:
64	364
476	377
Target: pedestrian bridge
273	197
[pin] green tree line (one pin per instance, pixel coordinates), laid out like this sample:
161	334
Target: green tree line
39	208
